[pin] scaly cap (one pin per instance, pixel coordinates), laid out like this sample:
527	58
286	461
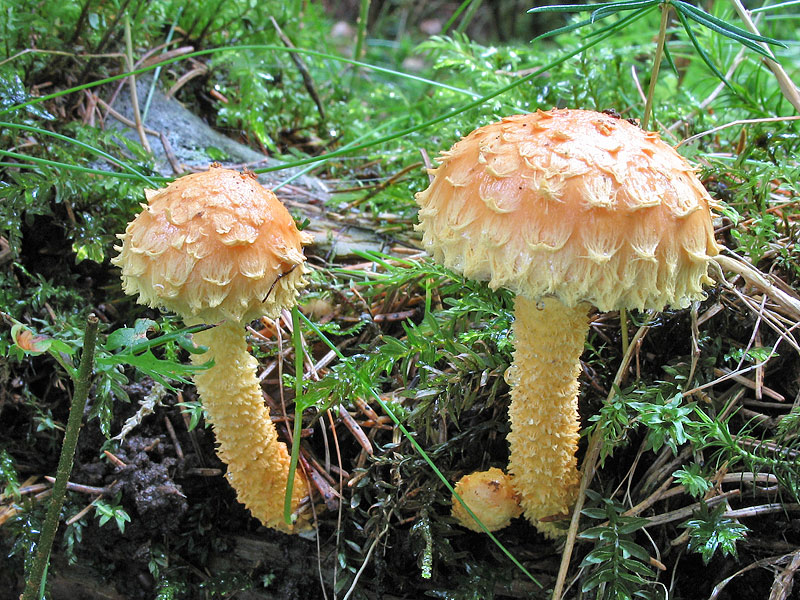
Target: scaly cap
211	246
490	495
575	204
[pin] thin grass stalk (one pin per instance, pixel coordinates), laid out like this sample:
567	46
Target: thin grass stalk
81	20
470	14
297	341
455	16
623	329
336	153
82	383
662	36
204	31
157	73
786	84
132	81
363	18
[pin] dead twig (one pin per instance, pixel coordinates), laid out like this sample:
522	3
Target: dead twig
301	66
784	579
356	430
186	78
788	303
132	81
83	489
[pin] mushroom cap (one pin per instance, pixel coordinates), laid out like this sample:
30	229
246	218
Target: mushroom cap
575	204
212	246
491	496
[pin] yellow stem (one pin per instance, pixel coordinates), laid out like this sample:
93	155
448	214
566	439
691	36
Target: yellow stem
549	339
258	464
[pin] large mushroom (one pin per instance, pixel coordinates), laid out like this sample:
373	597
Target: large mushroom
216	247
569	209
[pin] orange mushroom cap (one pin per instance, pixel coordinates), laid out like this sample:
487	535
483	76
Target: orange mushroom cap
575	204
491	496
213	245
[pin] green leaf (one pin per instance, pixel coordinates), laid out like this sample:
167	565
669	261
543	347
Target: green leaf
29	342
635	550
126	337
615	7
595	513
598	577
728	30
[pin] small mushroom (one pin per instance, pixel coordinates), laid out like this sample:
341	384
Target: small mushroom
491	496
216	247
569	209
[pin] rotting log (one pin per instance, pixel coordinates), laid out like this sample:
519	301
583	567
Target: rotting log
181	140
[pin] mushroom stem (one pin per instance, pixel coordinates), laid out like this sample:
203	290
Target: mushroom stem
258	463
549	340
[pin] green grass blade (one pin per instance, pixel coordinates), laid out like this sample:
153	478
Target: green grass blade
775	6
623	22
602	13
92	149
297	341
727	29
700	50
569	8
724	32
61	165
565	29
222	49
452	113
455	16
729	26
322	157
670	62
342	151
472	8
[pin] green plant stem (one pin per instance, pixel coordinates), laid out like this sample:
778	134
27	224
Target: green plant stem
157	72
298	413
623	328
81	385
363	17
662	36
469	15
455	16
61	165
87	147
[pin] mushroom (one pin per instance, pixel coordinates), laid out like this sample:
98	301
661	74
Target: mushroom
216	247
569	209
490	496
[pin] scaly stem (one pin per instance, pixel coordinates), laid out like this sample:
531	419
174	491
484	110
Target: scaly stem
258	463
662	36
588	469
82	382
549	339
